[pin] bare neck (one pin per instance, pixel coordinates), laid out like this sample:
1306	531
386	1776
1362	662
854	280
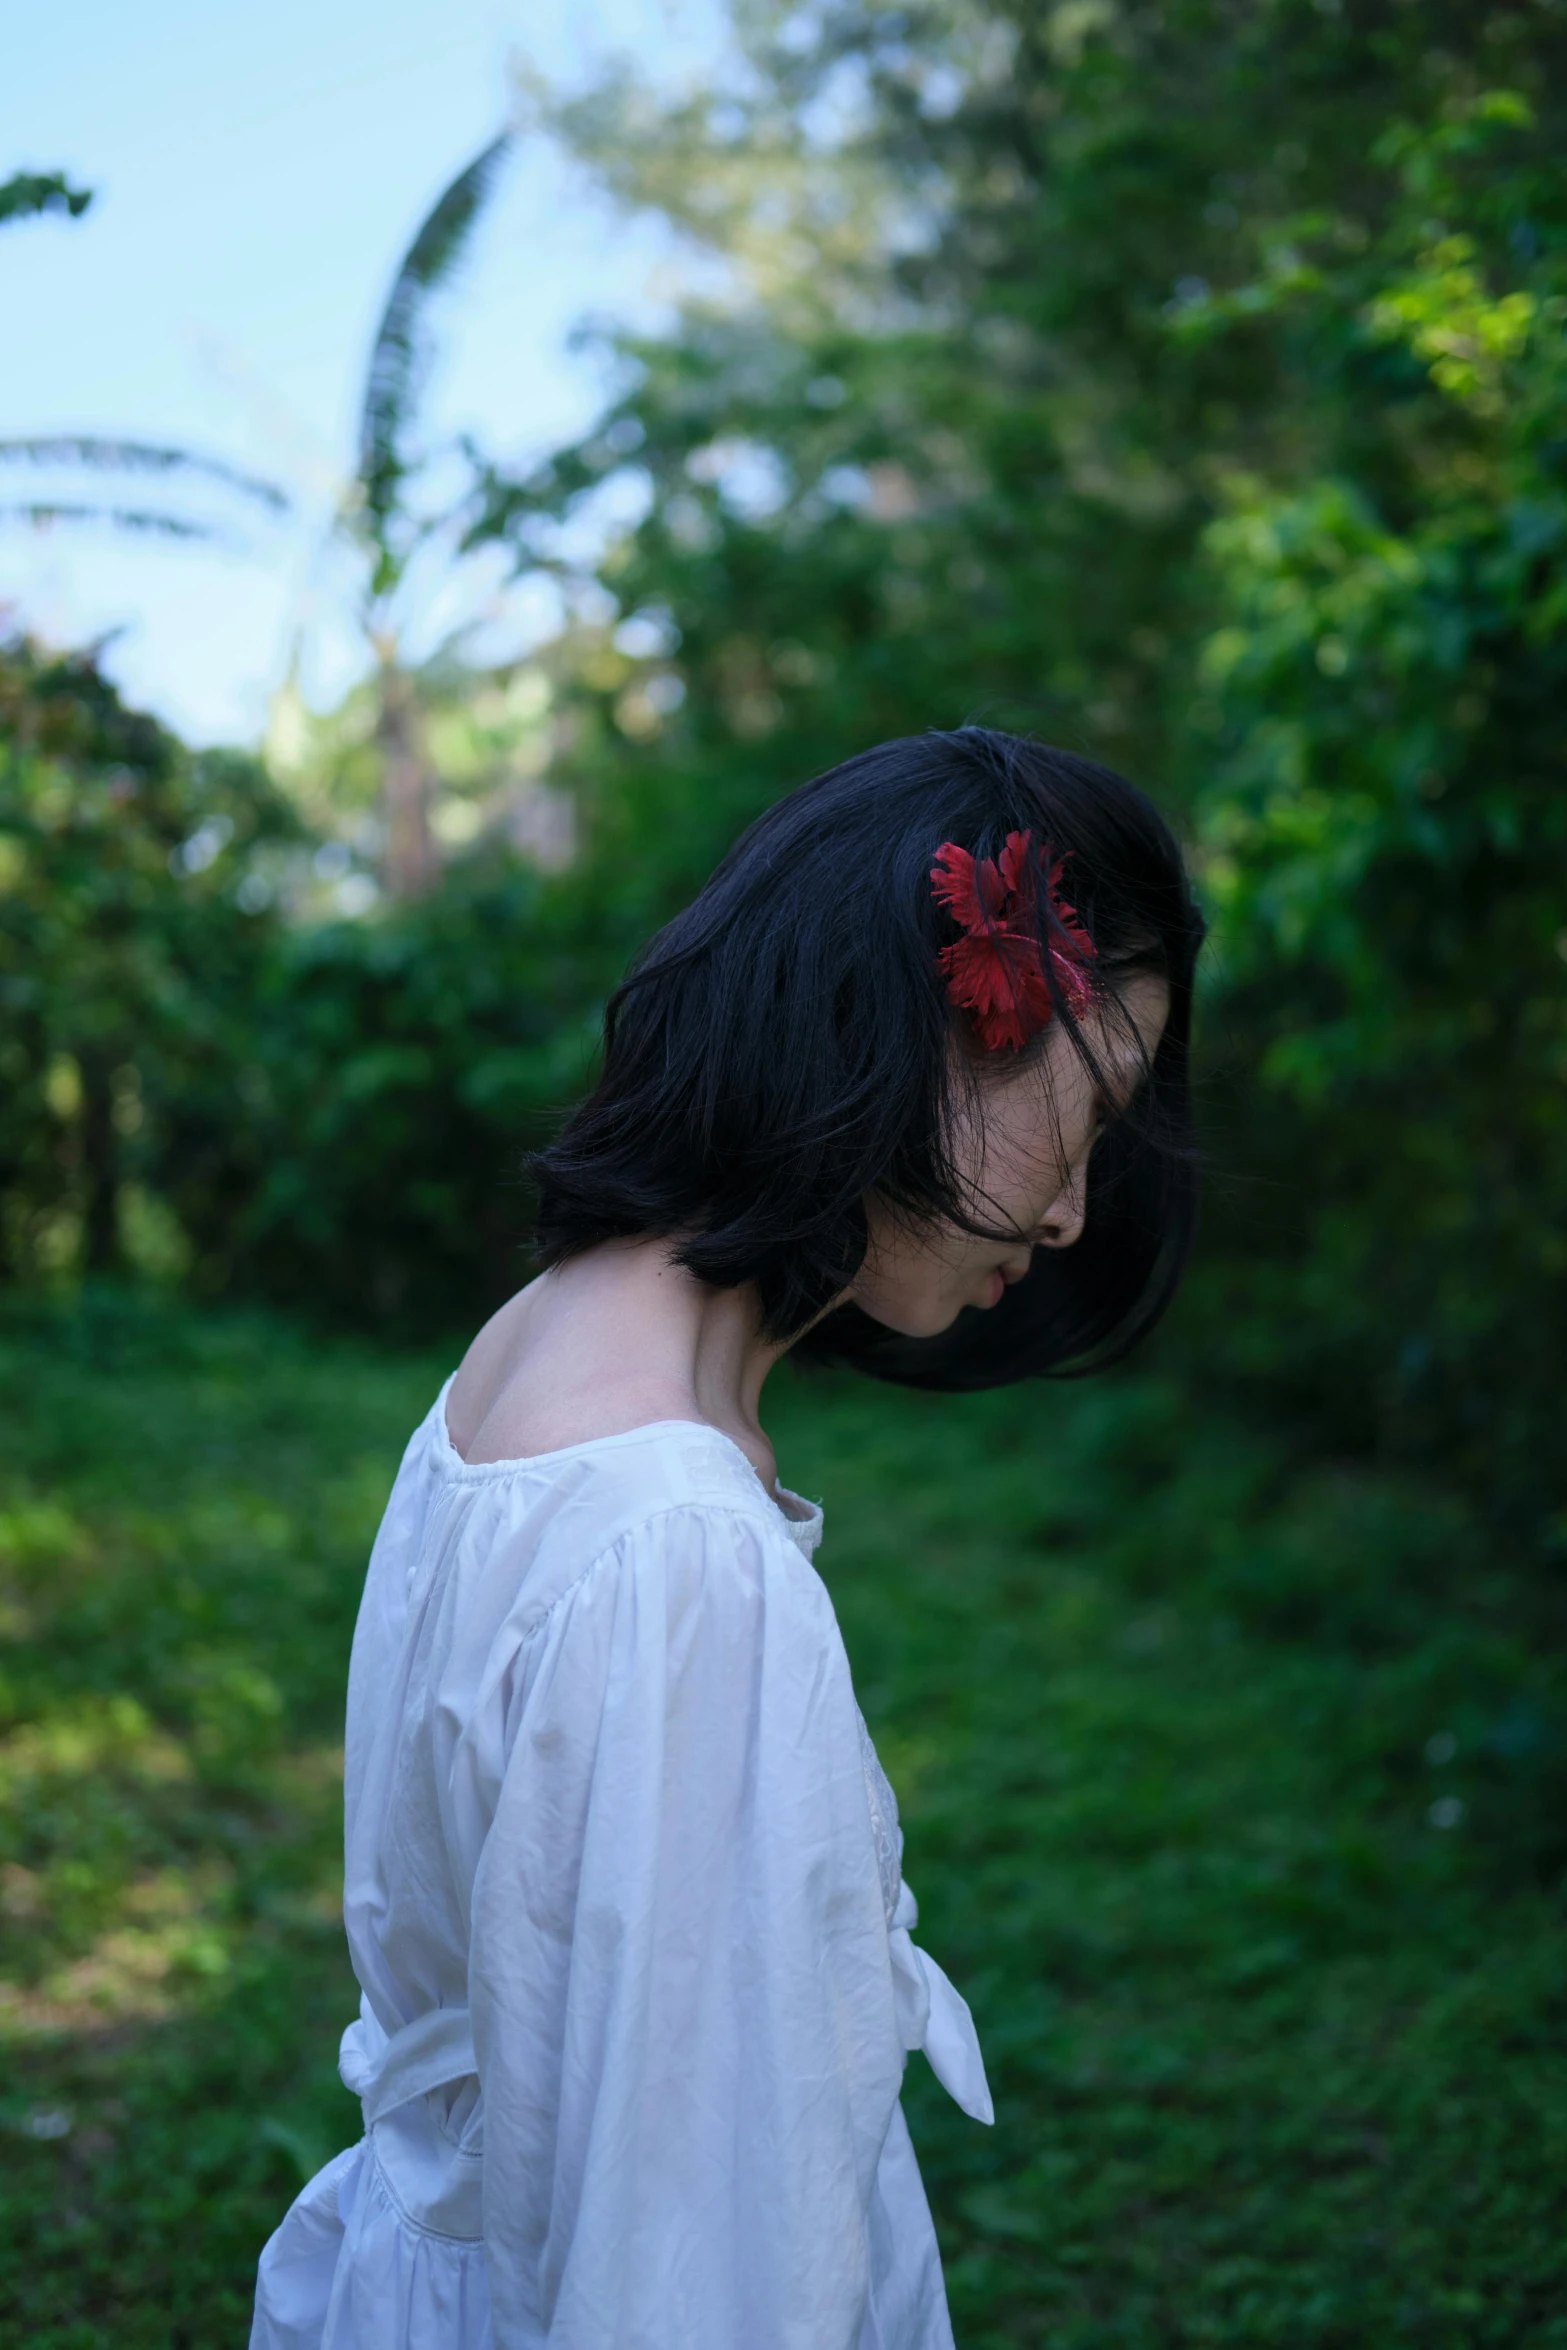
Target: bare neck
609	1341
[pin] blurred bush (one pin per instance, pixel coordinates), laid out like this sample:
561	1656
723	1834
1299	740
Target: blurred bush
1188	383
1185	383
132	946
398	1070
203	1083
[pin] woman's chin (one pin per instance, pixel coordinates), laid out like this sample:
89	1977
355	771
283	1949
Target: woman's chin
906	1319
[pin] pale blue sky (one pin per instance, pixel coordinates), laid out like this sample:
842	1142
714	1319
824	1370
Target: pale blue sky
258	172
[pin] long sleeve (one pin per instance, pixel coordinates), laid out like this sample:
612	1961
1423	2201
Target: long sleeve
681	1993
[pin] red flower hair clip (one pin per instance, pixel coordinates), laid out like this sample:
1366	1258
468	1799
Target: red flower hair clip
995	971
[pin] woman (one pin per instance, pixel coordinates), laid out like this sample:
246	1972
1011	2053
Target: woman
623	1885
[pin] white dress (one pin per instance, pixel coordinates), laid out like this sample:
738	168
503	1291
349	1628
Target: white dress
623	1896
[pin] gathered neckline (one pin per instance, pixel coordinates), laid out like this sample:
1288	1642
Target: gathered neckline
524	1462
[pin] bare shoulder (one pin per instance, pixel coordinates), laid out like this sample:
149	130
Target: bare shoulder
528	1385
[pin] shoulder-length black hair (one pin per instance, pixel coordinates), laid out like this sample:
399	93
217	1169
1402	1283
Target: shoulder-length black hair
785	1047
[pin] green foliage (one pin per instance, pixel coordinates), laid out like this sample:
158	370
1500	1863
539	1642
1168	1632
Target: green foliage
128	966
184	1514
121	456
205	1078
1382	820
1186	384
486	742
400	533
397	1071
1233	1788
27	193
95	454
395	371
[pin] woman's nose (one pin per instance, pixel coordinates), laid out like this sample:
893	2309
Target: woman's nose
1062	1222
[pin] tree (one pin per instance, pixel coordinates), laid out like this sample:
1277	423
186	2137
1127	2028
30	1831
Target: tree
382	513
27	195
1180	382
131	938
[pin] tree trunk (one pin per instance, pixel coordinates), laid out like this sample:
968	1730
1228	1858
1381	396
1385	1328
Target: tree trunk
412	865
100	1167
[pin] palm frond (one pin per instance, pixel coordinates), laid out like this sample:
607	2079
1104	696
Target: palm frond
43	513
392	381
106	455
26	193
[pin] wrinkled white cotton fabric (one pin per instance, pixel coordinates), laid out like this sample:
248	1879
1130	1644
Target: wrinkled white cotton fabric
623	1894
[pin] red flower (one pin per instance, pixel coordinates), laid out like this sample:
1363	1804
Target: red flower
995	971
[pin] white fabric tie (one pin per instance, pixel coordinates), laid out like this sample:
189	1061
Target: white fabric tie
436	2049
385	2072
934	2015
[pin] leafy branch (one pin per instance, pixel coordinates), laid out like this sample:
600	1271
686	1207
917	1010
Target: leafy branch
27	193
100	453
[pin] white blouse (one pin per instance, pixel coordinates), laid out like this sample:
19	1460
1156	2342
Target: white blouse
624	1898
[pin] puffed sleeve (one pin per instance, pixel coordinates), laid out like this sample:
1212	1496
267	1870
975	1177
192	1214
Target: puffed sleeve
682	1998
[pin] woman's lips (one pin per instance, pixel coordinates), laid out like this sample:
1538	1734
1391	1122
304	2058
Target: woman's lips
997	1290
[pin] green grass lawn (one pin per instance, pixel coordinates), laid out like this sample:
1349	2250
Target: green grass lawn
1235	1790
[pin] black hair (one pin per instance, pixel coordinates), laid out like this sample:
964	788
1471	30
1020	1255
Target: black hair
784	1048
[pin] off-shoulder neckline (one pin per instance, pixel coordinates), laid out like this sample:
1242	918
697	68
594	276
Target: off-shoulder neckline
807	1522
